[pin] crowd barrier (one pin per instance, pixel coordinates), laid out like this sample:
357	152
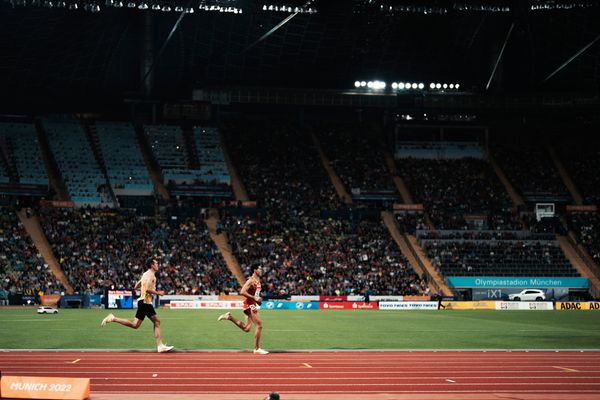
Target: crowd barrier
394	305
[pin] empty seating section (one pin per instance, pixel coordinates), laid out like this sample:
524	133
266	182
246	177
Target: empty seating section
22	142
168	146
210	155
437	150
76	162
459	194
22	269
495	253
127	172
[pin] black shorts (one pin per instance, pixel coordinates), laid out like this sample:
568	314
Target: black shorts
144	310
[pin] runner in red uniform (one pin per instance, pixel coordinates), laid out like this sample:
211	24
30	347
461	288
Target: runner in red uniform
252	301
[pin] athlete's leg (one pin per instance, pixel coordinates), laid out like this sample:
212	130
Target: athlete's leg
125	322
255	318
245	326
156	323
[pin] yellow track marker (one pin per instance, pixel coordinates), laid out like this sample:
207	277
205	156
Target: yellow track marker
76	361
567	369
307	365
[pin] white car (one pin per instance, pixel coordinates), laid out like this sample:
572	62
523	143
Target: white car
47	310
528	295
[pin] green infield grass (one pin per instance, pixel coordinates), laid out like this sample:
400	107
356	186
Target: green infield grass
297	330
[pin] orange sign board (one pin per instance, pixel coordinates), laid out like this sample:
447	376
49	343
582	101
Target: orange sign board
50	299
40	387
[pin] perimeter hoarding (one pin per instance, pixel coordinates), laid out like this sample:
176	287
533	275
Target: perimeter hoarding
517	282
346	305
290	305
499	288
578	305
408	305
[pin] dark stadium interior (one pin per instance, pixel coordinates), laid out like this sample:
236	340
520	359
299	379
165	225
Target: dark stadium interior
138	118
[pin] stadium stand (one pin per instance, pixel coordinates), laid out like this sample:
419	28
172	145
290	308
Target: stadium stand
459	194
582	161
76	162
530	168
125	165
21	142
97	248
587	228
358	160
495	253
21	267
302	252
210	156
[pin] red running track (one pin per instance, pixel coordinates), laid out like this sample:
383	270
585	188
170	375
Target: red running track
323	375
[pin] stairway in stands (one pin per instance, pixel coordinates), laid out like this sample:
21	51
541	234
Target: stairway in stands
108	195
35	231
222	242
416	257
239	189
191	153
333	176
582	262
564	175
54	176
153	168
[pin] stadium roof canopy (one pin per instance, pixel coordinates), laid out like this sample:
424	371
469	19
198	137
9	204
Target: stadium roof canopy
96	47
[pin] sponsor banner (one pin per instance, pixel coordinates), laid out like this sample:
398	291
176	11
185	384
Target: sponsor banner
185	297
468	305
408	207
417	298
408	305
234	203
524	305
95	300
290	305
503	294
49	299
333	298
578	305
231	297
346	305
57	203
387	298
526	282
355	298
304	298
40	387
586	208
207	305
